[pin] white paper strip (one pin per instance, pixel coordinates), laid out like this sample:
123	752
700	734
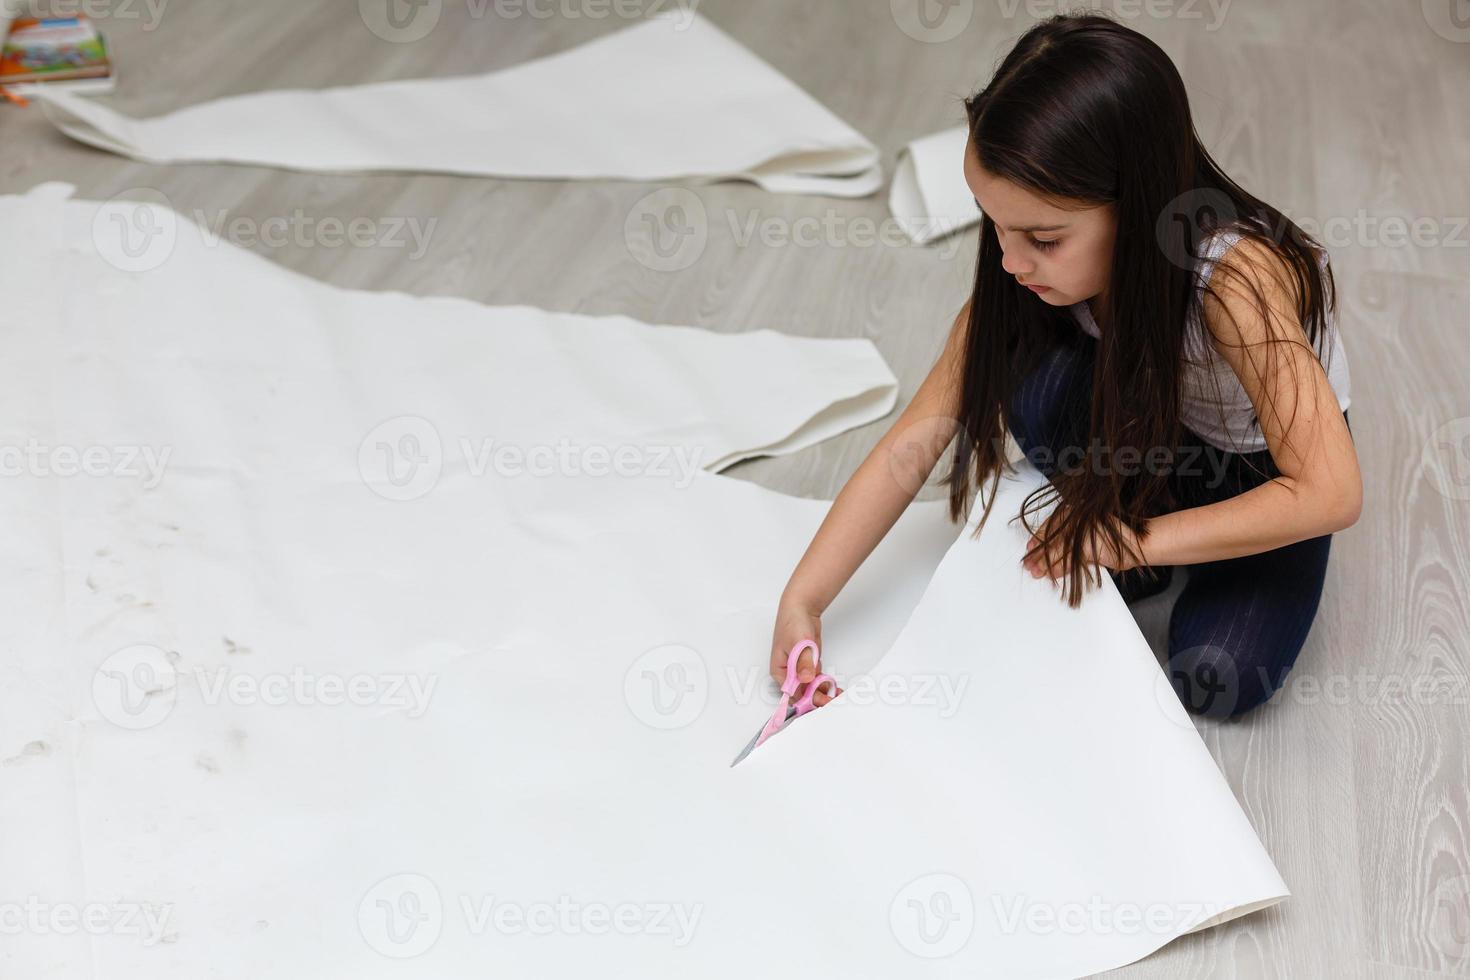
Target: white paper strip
672	98
929	196
552	671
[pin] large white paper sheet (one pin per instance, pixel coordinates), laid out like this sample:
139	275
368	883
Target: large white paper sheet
929	196
1013	791
671	98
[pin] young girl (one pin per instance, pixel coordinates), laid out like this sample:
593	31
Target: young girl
1160	343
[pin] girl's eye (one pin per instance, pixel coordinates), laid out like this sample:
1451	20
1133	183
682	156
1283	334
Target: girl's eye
1045	246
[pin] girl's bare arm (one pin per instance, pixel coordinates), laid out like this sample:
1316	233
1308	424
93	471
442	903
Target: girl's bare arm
870	503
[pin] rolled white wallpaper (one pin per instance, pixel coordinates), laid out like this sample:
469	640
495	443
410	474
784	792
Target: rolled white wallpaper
671	98
929	196
360	644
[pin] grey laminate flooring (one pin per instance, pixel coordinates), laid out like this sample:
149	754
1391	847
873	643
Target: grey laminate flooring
1357	776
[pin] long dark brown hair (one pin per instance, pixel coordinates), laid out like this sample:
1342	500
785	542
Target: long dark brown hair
1084	111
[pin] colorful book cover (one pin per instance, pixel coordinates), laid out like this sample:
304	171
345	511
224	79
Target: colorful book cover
51	49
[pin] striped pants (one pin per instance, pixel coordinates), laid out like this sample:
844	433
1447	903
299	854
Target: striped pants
1238	624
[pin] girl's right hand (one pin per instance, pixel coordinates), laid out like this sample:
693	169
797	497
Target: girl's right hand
795	623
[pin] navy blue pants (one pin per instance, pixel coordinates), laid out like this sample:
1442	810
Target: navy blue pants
1238	625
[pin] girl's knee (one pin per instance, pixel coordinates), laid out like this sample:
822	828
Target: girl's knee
1217	682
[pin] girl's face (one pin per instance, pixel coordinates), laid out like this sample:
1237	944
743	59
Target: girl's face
1069	253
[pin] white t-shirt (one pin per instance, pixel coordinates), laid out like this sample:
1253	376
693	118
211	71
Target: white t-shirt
1209	380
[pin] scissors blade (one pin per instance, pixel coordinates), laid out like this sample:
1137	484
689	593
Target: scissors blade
755	740
750	746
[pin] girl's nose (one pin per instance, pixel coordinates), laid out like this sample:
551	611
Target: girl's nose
1013	265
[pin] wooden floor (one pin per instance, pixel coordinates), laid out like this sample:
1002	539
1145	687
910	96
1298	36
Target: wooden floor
1352	112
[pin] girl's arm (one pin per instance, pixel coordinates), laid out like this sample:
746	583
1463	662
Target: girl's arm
1320	489
870	503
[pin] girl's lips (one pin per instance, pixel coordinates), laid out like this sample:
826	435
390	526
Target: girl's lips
1036	289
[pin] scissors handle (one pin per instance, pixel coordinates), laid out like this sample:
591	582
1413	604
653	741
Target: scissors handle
789	688
795	689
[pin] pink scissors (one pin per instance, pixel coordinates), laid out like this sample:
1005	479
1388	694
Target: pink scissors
787	709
